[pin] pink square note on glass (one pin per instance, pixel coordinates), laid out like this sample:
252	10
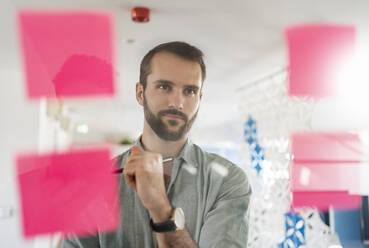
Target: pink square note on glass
326	147
326	161
324	199
67	53
72	192
316	54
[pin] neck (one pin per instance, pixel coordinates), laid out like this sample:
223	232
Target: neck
151	142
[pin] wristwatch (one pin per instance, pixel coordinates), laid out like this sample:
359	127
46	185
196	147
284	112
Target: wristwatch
176	222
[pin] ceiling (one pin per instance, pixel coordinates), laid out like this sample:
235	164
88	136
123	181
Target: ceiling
242	41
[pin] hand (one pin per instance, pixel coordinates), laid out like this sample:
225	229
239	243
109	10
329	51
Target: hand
143	172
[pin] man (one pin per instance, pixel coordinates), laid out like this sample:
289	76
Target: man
196	199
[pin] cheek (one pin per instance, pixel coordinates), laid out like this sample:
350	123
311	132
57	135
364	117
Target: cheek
193	105
155	101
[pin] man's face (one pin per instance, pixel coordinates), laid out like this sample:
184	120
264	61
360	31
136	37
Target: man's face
172	95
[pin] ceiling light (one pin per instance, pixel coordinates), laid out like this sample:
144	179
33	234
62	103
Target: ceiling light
82	128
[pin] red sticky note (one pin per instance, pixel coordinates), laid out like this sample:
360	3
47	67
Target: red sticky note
324	199
67	53
316	54
73	192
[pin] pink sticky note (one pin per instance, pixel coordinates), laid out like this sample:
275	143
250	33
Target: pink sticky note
324	199
67	54
326	177
316	52
323	161
326	147
73	192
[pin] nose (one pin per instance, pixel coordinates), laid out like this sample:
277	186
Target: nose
176	100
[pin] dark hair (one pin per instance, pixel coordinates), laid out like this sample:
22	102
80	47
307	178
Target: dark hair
181	49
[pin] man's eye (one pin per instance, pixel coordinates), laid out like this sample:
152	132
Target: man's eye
163	87
190	91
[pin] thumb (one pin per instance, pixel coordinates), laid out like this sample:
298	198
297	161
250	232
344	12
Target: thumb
135	150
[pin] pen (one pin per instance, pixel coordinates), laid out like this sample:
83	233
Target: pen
165	160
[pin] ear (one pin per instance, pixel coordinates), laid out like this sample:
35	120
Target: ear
200	95
139	93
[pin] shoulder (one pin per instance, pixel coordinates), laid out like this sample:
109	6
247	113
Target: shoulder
207	159
226	179
213	161
219	168
228	169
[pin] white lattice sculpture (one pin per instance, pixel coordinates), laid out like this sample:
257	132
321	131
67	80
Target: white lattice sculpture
276	115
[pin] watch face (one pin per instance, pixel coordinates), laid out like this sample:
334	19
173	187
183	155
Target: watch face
179	218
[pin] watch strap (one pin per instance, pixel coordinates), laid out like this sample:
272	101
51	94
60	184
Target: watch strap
166	226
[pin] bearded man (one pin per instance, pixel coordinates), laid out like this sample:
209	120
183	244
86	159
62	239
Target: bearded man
172	193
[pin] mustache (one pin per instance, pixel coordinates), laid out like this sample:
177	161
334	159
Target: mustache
172	112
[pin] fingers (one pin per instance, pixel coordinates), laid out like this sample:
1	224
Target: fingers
129	173
131	181
133	158
141	166
135	150
144	159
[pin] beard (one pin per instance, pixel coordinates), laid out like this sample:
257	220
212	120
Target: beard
160	127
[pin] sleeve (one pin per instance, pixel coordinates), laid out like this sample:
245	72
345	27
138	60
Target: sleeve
81	242
227	222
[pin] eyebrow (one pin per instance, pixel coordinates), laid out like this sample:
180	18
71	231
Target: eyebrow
163	81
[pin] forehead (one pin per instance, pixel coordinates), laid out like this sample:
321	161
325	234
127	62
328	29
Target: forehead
167	66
